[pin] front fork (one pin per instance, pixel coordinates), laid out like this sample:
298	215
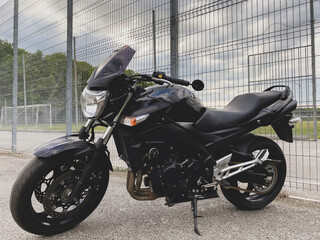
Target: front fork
84	130
100	147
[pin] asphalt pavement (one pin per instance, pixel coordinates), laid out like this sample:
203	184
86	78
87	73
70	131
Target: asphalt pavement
121	217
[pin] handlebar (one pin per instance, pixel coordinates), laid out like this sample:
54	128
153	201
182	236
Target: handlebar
161	78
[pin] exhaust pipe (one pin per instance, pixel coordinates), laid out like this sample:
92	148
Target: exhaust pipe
134	187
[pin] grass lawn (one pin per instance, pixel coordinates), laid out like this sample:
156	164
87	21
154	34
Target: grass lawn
302	129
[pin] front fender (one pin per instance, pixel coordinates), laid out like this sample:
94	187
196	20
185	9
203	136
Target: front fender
62	144
67	143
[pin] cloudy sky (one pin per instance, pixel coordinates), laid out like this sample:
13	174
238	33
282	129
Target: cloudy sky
218	40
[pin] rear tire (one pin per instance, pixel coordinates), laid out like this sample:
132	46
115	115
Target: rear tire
254	201
38	200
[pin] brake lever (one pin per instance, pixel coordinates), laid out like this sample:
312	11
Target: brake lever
160	81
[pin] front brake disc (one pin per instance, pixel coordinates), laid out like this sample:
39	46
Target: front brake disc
56	197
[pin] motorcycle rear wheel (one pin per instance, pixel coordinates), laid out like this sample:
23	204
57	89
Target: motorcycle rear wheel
246	200
39	197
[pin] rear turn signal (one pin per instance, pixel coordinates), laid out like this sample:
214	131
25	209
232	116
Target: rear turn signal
294	119
132	121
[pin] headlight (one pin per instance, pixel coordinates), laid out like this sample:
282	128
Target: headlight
92	102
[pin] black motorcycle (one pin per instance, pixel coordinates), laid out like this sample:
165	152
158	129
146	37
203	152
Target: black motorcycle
174	148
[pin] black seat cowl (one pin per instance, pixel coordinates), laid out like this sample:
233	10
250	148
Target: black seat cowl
241	109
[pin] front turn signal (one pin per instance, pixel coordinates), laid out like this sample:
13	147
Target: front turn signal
132	121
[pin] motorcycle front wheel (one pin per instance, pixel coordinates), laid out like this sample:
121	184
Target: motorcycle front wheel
39	197
251	195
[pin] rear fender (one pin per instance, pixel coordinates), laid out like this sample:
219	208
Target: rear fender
283	129
240	146
281	126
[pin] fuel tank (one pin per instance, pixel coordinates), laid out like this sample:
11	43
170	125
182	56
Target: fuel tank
178	103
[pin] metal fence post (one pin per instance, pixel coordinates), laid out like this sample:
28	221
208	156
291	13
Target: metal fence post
5	111
15	77
75	81
154	41
24	91
248	73
314	96
69	69
174	38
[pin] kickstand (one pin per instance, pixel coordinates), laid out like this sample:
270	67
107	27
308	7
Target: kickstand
195	216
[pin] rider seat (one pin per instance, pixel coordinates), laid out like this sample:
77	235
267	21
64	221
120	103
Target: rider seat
240	110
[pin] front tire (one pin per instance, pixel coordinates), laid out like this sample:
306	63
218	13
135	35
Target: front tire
264	194
39	197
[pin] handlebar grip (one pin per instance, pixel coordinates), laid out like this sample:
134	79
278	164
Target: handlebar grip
170	79
177	81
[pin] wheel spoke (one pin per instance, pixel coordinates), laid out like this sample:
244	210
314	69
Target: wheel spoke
61	187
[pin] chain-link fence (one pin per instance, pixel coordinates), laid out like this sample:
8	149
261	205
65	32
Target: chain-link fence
234	46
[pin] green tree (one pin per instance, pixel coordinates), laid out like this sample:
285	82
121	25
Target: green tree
45	76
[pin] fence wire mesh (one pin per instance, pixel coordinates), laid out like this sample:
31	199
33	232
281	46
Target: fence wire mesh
234	46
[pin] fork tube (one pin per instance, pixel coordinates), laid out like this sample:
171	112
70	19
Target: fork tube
108	132
84	130
89	123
